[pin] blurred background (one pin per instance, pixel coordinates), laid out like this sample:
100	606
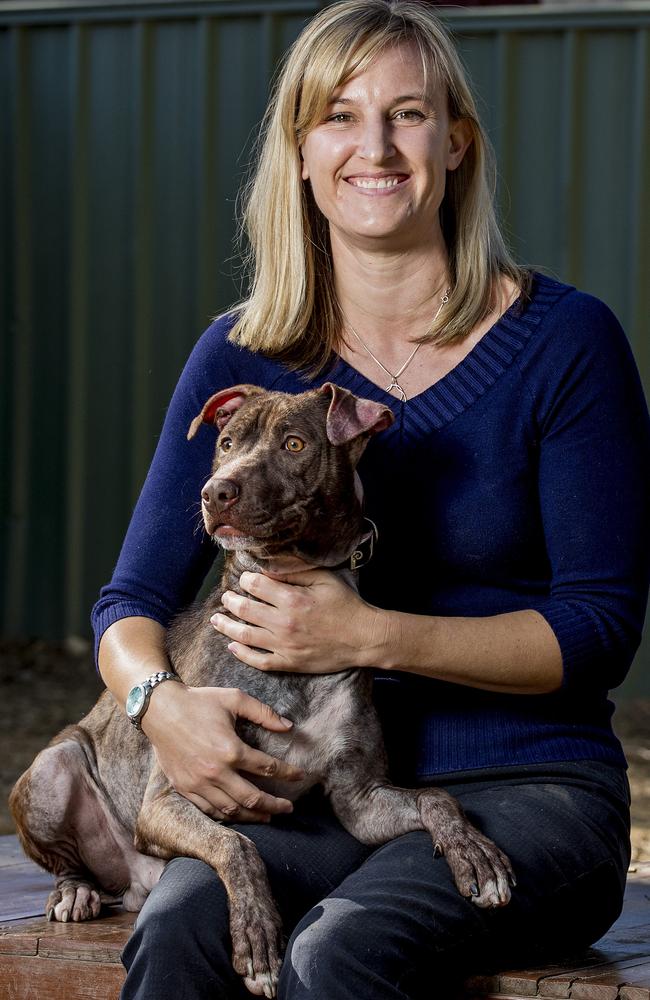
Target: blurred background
126	129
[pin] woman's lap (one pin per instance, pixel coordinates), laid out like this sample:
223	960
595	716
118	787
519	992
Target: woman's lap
388	923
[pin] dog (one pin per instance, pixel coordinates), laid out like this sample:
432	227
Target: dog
96	809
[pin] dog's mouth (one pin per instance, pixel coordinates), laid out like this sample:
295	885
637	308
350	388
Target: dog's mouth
241	533
229	531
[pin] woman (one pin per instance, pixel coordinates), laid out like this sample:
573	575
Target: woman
509	590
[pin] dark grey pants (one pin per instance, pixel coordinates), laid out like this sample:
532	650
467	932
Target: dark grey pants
388	923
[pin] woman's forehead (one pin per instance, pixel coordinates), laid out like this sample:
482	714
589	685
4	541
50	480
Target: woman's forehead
398	71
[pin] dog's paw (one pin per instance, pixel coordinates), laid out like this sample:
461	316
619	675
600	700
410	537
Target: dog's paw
256	933
73	899
263	985
480	870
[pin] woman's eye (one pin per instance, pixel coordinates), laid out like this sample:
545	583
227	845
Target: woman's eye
409	114
225	444
340	117
294	444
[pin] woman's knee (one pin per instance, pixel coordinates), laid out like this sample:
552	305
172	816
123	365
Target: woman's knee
189	899
181	938
336	950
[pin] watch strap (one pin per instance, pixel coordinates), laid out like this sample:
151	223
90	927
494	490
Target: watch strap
149	684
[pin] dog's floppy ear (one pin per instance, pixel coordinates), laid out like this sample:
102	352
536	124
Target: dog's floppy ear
349	416
219	408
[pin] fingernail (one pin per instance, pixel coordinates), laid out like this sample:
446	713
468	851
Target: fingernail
474	889
215	618
287	722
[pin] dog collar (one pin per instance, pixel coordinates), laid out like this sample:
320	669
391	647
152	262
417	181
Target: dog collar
363	550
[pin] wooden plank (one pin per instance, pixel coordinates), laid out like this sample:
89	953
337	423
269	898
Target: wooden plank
95	940
11	852
633	993
25	889
19	943
25	978
596	988
528	982
598	982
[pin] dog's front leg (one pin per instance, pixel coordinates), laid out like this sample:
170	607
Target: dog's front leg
170	826
375	812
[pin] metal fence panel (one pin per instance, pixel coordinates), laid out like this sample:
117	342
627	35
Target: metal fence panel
125	132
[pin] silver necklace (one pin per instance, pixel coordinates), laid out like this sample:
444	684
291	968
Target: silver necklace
394	384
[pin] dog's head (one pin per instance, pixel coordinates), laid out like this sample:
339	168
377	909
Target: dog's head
283	478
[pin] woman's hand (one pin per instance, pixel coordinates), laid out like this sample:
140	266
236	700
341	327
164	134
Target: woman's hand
193	733
316	625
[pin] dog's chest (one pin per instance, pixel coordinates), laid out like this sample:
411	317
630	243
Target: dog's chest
324	731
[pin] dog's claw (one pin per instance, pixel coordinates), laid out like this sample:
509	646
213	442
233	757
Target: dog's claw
437	850
50	913
249	969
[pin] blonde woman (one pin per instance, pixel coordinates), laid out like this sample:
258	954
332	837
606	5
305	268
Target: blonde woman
509	590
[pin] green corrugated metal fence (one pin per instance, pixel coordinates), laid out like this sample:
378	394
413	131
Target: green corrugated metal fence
124	135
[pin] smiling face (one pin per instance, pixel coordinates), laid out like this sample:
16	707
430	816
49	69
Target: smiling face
377	162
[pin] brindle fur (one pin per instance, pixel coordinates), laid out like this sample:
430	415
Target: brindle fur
96	810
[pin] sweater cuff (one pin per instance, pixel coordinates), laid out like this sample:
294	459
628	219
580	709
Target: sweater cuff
104	615
579	641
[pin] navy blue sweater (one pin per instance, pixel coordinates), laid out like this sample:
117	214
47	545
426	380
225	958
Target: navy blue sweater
519	480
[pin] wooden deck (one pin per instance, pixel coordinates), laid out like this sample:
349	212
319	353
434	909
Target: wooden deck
52	961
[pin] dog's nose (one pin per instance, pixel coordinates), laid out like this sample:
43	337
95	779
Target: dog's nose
220	494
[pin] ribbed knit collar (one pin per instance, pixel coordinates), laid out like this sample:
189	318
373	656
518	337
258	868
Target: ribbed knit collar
452	394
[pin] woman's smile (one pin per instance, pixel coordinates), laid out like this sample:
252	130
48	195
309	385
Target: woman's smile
377	183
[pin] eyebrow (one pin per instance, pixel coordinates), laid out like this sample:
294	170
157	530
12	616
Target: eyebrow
395	100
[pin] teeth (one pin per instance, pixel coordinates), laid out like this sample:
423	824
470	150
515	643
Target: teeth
381	182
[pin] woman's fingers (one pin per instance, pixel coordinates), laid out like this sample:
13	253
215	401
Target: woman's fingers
250	635
246	707
258	762
255	612
248	796
226	809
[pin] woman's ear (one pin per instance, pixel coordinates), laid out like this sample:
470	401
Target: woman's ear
460	138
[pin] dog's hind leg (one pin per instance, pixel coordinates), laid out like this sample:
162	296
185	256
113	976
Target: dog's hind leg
65	824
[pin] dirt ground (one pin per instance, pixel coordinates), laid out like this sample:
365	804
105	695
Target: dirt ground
44	686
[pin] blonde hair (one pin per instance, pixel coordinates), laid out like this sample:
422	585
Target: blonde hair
292	311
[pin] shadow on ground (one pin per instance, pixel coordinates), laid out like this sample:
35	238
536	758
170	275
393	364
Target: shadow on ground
45	686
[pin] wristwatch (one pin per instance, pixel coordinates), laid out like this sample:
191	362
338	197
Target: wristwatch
138	697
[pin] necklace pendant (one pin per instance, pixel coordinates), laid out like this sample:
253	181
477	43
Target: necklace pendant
396	385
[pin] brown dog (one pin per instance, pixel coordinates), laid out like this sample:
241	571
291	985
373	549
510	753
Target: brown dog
96	810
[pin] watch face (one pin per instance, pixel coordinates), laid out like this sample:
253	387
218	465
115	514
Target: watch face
135	700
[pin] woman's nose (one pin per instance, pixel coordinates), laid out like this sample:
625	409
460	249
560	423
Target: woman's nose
375	140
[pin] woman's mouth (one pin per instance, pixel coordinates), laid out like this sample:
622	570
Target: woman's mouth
385	182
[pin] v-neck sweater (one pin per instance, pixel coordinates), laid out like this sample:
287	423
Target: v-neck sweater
519	480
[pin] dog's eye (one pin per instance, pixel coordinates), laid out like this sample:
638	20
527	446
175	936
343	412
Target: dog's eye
294	444
225	444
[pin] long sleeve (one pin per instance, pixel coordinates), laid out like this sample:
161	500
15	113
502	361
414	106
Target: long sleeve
165	554
594	488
